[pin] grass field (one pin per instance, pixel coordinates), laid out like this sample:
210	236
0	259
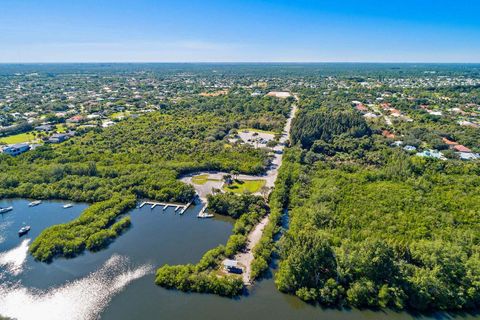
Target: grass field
202	179
61	128
18	138
251	186
118	115
257	130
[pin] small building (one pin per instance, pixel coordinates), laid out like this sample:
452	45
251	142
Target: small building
468	155
107	123
388	134
370	115
16	149
44	127
410	148
461	148
279	94
449	142
232	266
58	137
431	154
75	119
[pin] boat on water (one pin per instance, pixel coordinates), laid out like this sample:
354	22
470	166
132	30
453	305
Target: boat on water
23	230
205	216
34	203
7	209
68	205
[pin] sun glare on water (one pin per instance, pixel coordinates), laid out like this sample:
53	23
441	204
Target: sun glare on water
84	298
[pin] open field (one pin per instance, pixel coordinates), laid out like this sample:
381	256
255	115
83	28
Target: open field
251	186
257	130
18	138
202	179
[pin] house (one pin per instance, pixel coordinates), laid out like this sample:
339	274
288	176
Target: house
107	123
395	113
461	148
431	154
16	149
468	155
279	94
397	143
75	119
361	108
388	134
58	137
231	266
44	127
410	148
370	115
449	142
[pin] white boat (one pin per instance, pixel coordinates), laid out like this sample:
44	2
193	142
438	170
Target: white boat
3	210
34	203
23	230
68	205
205	215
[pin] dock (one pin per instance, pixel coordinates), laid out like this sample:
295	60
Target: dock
161	204
187	206
165	205
203	213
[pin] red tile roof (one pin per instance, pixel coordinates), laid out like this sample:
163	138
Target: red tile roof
449	142
388	134
461	148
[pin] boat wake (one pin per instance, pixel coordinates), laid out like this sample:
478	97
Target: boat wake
84	298
14	260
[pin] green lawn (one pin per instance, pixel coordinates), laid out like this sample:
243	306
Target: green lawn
251	186
117	115
61	128
18	138
202	179
257	130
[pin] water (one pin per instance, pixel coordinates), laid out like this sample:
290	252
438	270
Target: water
117	283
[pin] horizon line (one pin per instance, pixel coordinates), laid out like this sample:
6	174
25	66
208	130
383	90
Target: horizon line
240	62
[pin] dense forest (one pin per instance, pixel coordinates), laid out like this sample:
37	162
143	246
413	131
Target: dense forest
138	158
372	226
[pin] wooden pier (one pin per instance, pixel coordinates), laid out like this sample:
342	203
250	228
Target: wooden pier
165	205
203	213
187	206
162	204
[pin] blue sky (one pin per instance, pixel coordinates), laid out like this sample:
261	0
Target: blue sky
239	31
